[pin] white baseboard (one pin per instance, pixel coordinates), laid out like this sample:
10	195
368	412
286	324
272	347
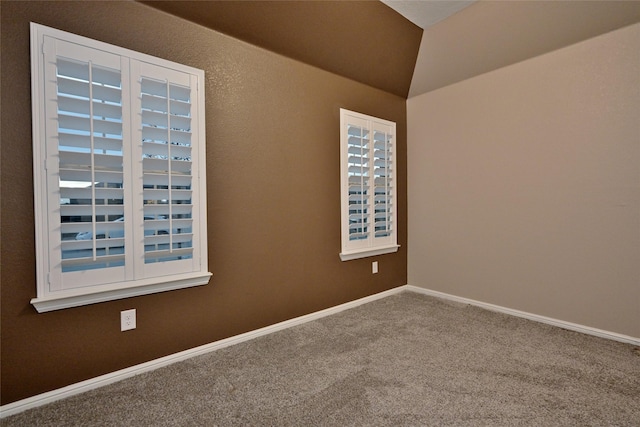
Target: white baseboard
542	319
90	384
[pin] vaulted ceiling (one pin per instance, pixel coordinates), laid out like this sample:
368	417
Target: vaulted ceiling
488	35
437	43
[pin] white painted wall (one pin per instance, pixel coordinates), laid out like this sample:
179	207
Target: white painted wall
524	185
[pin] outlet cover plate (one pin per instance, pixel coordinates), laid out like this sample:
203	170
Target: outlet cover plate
128	319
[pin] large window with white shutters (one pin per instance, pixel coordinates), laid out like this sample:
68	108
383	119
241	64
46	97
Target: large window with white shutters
368	185
119	172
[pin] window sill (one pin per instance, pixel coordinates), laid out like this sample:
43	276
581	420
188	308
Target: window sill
347	256
80	297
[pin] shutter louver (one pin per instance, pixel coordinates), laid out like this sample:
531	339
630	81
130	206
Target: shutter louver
90	147
167	171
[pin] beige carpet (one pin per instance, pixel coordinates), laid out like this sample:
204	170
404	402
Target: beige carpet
405	360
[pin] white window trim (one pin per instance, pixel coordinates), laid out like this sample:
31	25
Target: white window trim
76	298
48	300
371	246
348	256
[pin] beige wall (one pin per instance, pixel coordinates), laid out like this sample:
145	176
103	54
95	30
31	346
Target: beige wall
524	185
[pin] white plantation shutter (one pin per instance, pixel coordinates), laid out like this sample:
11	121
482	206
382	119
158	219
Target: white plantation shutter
368	185
118	172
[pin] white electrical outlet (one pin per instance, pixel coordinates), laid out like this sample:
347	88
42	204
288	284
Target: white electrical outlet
374	267
128	319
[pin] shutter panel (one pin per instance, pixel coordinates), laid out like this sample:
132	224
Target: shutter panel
167	167
85	111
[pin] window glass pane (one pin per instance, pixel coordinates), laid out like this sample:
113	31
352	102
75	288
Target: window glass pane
90	147
167	162
359	195
382	183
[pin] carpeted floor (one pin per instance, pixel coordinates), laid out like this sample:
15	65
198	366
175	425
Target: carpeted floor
405	360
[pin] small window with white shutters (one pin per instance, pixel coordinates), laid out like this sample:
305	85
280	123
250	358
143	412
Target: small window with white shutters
119	172
368	185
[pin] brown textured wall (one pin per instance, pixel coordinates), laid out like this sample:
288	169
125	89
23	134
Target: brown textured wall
273	200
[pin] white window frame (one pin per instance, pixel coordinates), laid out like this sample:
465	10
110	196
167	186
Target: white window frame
369	243
55	289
